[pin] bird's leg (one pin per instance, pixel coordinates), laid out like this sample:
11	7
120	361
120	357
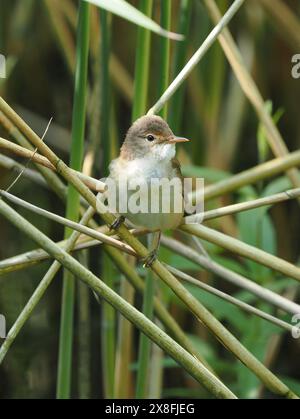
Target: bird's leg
117	223
152	256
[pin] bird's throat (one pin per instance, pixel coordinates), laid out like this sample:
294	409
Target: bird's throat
163	152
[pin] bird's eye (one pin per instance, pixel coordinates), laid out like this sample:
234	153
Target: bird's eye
150	137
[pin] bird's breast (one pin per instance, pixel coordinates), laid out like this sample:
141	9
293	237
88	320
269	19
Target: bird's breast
158	207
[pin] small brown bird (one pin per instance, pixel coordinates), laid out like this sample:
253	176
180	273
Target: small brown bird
148	153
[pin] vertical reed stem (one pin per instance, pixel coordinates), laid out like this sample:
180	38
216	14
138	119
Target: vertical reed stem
73	201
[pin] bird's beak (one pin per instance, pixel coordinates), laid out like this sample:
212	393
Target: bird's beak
174	140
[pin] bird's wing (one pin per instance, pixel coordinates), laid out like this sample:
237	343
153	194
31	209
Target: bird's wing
177	168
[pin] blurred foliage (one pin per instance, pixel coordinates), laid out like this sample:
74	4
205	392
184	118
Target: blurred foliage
38	39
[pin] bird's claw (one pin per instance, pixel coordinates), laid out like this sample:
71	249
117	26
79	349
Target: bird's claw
117	223
150	259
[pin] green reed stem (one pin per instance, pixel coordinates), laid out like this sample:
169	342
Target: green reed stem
144	376
142	64
73	200
125	344
164	67
105	91
51	178
228	340
145	343
180	52
141	84
186	360
251	90
108	330
108	319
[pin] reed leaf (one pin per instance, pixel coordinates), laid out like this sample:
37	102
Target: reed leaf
125	10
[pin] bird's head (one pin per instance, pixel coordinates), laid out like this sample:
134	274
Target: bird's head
150	136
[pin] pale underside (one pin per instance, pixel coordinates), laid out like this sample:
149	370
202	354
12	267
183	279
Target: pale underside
157	214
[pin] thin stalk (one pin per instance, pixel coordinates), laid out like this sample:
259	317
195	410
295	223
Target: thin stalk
197	282
63	390
250	176
92	183
244	306
190	363
251	90
243	249
248	205
160	311
142	382
104	88
157	371
124	376
230	276
206	216
68	223
130	273
40	291
18	168
211	38
84	335
125	346
142	70
253	175
83	229
108	330
108	319
124	267
149	378
177	333
27	259
267	377
51	178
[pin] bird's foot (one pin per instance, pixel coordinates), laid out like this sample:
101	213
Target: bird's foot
117	223
150	259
